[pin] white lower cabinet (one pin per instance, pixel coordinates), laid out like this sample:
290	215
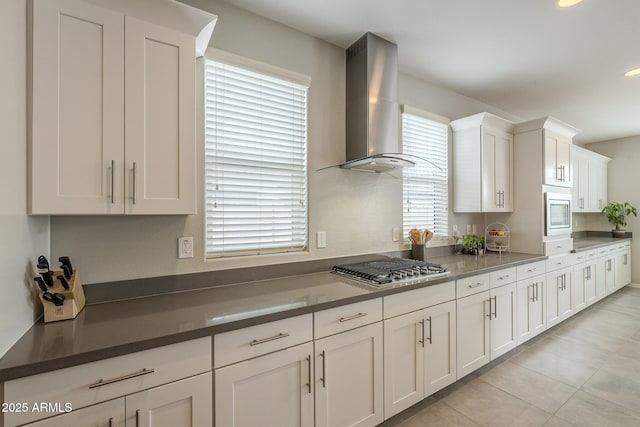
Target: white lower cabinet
606	280
473	337
271	390
531	310
503	306
419	355
558	297
164	386
622	268
348	378
184	403
583	287
106	414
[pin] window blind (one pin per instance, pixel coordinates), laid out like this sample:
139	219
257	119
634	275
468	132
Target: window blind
255	162
425	187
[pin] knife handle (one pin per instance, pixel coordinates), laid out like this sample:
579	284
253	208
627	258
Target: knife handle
66	271
41	284
48	278
67	261
63	282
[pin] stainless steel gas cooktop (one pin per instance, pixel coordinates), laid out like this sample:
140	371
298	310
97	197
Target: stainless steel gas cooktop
391	271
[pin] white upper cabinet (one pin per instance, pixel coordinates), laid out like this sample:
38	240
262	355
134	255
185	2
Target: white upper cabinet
555	138
113	107
589	192
482	164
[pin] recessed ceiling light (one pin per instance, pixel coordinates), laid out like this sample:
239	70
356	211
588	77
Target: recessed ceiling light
568	3
631	73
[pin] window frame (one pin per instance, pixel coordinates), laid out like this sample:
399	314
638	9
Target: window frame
441	237
267	70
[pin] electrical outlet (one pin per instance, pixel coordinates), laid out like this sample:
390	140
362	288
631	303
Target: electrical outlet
454	230
468	228
185	247
321	239
395	234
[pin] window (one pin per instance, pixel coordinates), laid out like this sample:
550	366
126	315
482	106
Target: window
425	187
255	158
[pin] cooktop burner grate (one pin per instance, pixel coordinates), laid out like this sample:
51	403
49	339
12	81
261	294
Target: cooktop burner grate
392	270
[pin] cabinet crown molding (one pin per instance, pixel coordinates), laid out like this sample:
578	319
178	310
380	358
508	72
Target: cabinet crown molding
483	119
549	123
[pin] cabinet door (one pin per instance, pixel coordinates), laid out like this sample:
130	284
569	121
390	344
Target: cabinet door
610	274
622	269
440	347
184	403
504	335
160	176
106	414
271	390
497	171
403	362
581	185
557	159
590	291
531	319
601	279
348	380
597	185
77	101
473	343
558	296
578	287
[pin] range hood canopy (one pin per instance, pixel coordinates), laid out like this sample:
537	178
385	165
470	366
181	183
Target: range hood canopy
372	106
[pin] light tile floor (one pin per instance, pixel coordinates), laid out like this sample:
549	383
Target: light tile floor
582	372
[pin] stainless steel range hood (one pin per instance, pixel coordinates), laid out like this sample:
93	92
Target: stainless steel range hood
372	106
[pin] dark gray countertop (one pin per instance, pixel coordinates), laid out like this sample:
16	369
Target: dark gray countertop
583	244
112	329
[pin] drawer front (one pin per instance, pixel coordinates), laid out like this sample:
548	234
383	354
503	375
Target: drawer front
557	247
405	302
346	317
558	262
472	285
530	270
585	256
242	344
502	277
80	385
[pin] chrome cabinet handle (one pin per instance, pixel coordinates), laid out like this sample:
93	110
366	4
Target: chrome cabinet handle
139	373
422	336
111	422
273	338
489	315
475	285
430	330
137	417
324	369
531	270
355	316
309	372
113	181
495	307
135	187
537	291
533	292
504	277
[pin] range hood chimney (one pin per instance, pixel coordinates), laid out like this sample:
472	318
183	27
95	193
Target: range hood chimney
372	106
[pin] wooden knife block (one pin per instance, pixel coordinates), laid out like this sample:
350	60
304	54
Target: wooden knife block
73	303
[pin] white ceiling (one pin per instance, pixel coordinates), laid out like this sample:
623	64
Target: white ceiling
527	57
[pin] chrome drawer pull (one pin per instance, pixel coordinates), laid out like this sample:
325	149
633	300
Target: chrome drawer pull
264	340
504	277
140	373
475	286
531	270
355	316
309	383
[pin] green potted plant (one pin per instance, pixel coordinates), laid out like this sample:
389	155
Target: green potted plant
616	214
472	244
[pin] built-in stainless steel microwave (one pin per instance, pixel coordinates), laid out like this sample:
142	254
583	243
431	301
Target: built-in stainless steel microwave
557	214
